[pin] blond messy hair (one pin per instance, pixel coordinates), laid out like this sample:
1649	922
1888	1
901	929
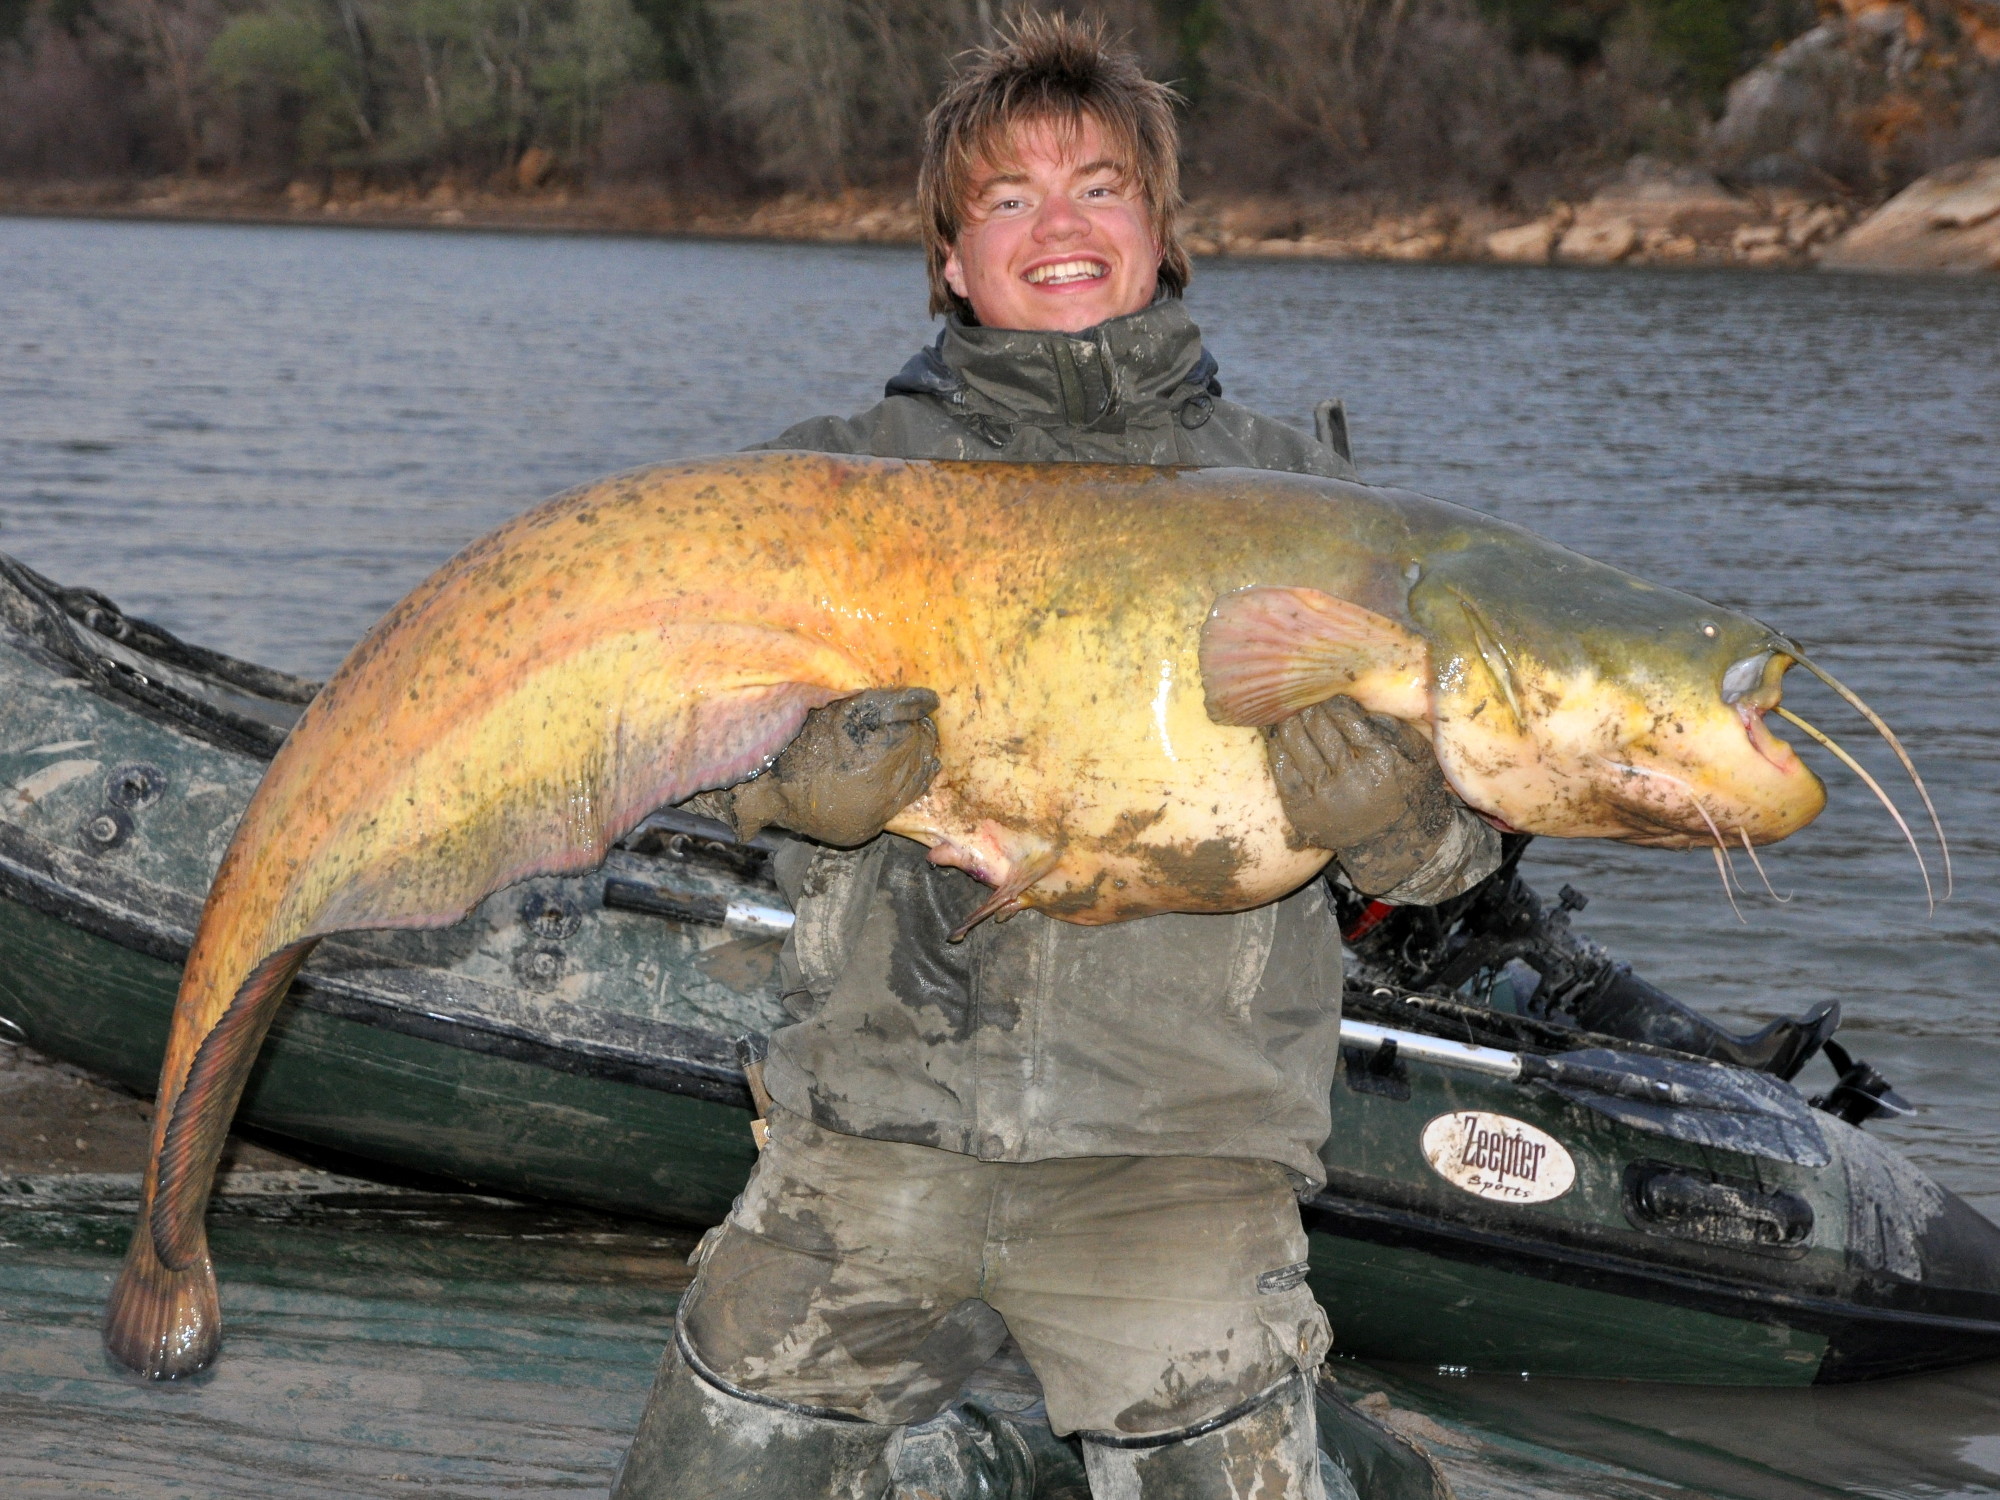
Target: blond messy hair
1048	69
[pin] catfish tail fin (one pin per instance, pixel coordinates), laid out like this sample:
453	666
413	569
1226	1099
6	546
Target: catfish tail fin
162	1323
164	1319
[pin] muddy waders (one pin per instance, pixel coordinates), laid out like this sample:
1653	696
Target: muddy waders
700	1440
1270	1449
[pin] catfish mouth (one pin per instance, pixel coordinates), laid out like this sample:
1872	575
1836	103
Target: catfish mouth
1751	688
1699	786
1754	687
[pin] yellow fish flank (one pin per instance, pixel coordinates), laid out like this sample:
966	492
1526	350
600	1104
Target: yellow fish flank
1105	643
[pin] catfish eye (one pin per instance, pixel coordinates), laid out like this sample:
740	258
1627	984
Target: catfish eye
1708	630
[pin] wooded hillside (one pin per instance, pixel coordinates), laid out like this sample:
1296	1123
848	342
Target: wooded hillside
1500	101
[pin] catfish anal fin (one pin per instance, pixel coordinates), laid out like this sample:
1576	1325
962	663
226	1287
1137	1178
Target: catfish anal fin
1268	651
713	741
206	1103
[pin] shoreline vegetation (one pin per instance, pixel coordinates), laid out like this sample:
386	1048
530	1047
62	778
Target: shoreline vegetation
1696	132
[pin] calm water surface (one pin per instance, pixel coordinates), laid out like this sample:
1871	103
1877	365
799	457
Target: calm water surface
262	437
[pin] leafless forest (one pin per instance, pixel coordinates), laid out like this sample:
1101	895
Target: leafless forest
1496	101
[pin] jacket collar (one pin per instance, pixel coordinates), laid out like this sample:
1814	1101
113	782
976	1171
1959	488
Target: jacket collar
1140	366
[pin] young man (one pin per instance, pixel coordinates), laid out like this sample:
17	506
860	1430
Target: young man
1090	1139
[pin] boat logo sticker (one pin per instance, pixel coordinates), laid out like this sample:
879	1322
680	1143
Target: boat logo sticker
1498	1157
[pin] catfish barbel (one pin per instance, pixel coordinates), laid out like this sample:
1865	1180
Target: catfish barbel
1104	641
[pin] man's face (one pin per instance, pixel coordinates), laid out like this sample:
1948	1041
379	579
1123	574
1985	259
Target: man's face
1058	238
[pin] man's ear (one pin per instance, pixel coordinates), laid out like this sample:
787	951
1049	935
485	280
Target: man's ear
954	273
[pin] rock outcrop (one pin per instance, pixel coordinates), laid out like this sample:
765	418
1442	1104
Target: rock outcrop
1660	211
1657	213
1874	95
1948	221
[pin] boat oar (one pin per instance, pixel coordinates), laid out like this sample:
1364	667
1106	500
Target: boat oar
1703	1103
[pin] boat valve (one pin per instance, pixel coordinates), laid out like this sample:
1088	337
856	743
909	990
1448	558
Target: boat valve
106	829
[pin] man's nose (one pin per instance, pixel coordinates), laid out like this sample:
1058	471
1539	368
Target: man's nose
1060	219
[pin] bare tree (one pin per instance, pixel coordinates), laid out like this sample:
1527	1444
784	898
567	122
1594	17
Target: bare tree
169	40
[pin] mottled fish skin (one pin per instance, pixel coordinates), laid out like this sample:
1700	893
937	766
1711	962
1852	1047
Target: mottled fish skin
630	643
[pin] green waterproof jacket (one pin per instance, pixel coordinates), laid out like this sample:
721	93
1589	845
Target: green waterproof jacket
1174	1035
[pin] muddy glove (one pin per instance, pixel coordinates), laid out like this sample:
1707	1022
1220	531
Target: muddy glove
852	767
1363	785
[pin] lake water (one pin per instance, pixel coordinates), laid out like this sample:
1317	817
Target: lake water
261	438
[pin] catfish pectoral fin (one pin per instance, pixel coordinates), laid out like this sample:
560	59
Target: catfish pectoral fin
160	1322
1268	651
206	1103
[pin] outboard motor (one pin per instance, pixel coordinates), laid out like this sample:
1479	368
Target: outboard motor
1859	1093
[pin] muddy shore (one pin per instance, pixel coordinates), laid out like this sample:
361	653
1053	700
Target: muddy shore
1653	215
55	1118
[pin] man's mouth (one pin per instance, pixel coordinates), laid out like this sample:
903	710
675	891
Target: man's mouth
1067	273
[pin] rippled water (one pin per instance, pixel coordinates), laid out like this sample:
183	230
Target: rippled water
262	437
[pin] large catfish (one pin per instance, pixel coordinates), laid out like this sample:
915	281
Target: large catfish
1104	642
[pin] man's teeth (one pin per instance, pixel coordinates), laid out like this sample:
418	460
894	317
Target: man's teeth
1067	271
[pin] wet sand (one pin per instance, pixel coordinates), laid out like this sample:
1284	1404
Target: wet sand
55	1118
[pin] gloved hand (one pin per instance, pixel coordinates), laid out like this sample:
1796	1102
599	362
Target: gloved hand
852	767
1365	786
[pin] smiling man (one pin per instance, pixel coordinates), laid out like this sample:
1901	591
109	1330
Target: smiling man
1058	235
1081	1146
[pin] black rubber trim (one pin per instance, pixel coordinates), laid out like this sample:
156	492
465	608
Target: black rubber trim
1221	1419
96	612
63	626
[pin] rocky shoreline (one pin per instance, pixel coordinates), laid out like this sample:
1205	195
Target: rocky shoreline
1651	214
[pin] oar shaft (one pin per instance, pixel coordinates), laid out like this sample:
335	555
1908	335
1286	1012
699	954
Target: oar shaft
1529	1067
1433	1049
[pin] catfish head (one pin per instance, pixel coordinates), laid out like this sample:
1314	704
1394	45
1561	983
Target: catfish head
1575	700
